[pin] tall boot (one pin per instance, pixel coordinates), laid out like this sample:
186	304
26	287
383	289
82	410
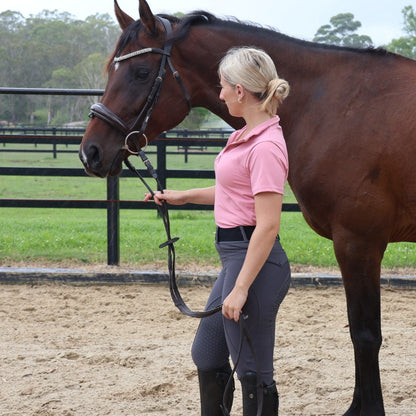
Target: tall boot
249	392
212	387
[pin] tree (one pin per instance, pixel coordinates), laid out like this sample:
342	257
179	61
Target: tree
406	45
58	106
89	73
340	32
48	50
12	108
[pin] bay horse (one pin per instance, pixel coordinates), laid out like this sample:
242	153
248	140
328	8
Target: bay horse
349	124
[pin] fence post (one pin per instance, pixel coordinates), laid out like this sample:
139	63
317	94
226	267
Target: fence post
186	147
161	162
113	221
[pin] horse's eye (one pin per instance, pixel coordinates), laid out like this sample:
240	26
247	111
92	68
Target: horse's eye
142	74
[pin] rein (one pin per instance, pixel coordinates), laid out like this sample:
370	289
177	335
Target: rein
164	214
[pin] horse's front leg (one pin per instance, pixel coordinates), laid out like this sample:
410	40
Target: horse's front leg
360	263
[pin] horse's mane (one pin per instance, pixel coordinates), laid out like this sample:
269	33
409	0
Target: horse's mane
200	17
203	17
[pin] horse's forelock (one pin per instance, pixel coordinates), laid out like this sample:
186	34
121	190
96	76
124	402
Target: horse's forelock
128	35
131	32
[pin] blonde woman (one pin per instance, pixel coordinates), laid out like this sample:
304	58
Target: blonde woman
251	172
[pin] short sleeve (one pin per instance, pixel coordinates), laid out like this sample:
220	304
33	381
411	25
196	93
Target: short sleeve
268	167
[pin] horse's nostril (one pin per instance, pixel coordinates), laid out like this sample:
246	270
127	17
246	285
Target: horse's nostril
94	156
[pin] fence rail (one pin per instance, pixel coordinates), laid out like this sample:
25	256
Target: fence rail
183	140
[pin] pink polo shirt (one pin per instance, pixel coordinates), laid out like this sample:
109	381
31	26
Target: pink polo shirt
257	163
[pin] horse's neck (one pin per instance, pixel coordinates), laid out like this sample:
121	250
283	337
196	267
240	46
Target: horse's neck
213	43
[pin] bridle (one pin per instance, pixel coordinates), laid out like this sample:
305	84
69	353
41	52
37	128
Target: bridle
104	113
101	111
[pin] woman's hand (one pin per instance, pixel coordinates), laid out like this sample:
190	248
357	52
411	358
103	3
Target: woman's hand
233	304
171	197
191	196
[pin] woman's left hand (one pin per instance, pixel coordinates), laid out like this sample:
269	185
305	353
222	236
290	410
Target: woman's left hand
233	304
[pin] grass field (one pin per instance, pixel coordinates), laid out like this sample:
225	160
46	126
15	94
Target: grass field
69	236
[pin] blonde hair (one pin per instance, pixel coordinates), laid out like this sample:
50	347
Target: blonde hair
255	71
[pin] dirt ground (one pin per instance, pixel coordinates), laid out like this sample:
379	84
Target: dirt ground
70	350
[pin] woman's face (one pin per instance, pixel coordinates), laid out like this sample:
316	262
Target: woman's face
229	94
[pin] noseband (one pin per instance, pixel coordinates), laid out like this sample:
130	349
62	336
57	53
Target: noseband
101	111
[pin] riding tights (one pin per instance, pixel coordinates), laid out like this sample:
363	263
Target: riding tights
217	337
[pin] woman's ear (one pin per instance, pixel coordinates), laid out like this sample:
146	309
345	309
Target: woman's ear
240	91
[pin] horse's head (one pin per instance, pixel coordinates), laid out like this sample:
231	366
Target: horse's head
127	116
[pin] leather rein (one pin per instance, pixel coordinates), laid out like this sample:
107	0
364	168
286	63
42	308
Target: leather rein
101	111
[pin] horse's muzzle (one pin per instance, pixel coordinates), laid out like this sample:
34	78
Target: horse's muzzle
92	157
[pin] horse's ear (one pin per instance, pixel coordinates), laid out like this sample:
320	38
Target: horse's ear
123	18
147	17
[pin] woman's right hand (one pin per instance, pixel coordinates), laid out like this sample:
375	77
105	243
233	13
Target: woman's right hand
171	197
204	196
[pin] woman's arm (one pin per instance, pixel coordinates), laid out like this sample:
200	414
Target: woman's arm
205	196
268	207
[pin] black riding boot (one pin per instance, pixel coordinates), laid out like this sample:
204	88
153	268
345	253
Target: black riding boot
249	391
211	388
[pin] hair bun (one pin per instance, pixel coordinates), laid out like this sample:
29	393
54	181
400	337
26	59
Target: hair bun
279	88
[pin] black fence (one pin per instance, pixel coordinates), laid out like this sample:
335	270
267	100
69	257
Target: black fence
183	141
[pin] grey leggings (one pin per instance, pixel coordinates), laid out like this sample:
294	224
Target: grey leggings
217	337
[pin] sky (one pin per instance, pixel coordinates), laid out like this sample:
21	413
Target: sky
382	20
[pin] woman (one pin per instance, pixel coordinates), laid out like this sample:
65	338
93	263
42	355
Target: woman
251	172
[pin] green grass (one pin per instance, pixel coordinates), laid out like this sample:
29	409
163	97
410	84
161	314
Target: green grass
72	237
79	237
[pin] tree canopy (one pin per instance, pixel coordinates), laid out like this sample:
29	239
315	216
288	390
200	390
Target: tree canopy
406	45
51	49
340	32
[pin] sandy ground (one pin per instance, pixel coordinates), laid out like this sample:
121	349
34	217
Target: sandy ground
125	350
